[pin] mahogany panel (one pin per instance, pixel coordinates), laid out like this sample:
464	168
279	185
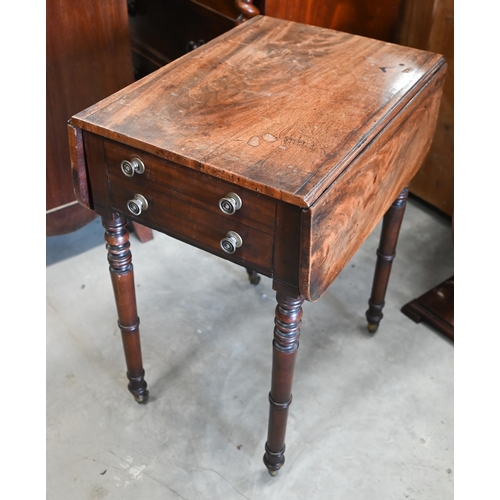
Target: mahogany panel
372	18
335	227
286	259
79	166
67	218
429	25
87	58
98	186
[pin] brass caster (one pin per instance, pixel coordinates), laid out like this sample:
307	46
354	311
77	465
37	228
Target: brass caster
372	328
141	398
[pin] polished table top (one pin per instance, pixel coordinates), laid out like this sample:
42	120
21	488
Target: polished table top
290	113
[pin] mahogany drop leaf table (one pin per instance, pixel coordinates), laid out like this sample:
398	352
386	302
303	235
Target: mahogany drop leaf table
277	146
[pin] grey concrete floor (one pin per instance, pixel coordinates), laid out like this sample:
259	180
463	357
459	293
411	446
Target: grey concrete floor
372	417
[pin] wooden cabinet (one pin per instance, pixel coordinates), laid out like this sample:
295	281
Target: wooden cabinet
88	57
371	18
428	25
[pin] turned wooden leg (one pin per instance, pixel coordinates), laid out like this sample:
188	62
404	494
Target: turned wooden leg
285	344
122	278
253	277
385	255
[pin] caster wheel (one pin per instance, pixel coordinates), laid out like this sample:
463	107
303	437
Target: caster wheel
141	398
253	277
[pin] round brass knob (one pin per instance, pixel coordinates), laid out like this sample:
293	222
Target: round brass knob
132	166
230	203
231	242
137	205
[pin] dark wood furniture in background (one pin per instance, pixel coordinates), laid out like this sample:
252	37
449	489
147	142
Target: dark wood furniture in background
162	31
435	308
278	146
372	18
428	25
88	58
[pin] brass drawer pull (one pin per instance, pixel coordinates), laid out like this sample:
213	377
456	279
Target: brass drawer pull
132	166
231	242
137	205
230	203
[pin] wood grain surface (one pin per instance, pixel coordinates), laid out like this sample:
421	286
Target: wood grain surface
88	57
372	18
429	25
274	106
336	226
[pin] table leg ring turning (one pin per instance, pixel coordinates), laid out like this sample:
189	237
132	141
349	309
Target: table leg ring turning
274	460
285	345
385	256
122	278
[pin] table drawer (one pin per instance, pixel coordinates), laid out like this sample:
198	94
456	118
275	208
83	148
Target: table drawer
184	203
196	188
174	214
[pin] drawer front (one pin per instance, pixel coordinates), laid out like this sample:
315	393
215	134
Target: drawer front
200	189
185	204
